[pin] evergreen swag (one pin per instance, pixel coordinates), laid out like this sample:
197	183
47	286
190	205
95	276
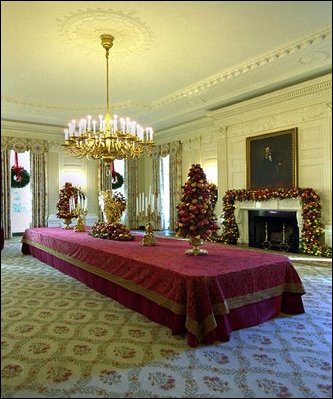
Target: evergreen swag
195	211
67	191
312	226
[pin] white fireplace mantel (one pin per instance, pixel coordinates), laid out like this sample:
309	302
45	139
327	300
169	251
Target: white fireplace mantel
285	205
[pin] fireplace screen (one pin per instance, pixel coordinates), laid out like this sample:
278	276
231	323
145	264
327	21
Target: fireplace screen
273	230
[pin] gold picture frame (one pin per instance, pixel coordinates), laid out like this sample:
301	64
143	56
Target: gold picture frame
271	160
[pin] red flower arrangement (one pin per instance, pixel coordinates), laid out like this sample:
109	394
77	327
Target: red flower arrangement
312	227
67	191
111	231
195	212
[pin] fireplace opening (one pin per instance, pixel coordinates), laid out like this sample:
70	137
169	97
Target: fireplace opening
275	230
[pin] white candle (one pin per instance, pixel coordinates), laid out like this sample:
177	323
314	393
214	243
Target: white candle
89	119
127	125
94	125
115	122
137	205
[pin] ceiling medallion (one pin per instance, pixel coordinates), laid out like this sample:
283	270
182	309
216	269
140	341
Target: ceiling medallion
81	28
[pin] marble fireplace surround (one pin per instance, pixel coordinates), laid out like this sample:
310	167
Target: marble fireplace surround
285	205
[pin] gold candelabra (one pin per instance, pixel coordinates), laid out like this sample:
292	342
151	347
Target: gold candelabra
113	138
80	226
148	217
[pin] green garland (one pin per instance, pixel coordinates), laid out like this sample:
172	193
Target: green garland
119	181
311	212
19	177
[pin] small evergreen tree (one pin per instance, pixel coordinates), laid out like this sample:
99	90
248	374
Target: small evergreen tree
195	212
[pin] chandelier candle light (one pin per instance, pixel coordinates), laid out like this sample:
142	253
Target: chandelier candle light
109	138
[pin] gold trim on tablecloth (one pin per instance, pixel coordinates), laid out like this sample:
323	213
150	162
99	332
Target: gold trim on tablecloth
200	330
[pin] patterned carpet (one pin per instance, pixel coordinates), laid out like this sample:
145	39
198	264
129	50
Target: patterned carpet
61	339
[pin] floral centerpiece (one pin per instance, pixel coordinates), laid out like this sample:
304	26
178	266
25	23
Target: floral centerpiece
195	212
64	209
111	231
112	205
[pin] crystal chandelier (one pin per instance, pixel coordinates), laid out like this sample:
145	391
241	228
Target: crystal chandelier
110	138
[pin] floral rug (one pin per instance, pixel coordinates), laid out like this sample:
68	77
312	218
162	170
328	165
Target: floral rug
62	339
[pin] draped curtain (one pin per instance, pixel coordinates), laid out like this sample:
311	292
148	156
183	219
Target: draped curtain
105	178
157	187
38	179
5	188
131	192
174	150
175	180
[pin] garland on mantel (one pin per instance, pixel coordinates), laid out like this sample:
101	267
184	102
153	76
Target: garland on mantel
311	211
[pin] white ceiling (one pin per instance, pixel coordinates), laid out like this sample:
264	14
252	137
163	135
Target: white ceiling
171	62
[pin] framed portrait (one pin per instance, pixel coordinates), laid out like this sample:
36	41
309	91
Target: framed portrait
271	160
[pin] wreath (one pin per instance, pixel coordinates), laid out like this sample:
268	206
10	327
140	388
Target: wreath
118	181
19	177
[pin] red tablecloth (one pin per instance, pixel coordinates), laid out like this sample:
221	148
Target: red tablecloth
207	296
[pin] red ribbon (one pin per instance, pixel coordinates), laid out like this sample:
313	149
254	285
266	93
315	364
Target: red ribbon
17	169
16	166
113	172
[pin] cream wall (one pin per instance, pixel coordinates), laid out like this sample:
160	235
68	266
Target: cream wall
220	138
223	133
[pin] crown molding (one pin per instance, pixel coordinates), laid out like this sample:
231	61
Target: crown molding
185	131
241	69
34	130
308	93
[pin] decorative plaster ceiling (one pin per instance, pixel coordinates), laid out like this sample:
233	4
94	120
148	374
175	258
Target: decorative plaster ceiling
171	62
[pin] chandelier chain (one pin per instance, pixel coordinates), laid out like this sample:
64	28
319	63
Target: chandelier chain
112	138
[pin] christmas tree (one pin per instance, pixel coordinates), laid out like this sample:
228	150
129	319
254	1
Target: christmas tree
195	212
